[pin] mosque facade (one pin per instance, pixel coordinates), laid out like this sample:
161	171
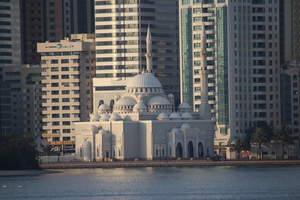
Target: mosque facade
144	123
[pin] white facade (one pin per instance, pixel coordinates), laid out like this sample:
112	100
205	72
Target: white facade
68	67
143	124
242	61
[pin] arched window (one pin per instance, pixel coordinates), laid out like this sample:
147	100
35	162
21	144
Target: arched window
179	150
190	149
200	150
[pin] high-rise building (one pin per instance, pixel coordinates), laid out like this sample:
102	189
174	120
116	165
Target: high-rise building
290	96
290	30
61	18
21	98
10	33
31	30
290	57
68	67
242	61
121	28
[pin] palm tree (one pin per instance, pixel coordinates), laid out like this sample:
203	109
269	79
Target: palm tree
237	146
259	136
282	135
48	150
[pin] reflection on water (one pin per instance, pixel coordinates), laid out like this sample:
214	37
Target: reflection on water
157	183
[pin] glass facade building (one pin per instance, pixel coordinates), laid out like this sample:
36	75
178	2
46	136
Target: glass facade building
242	59
121	27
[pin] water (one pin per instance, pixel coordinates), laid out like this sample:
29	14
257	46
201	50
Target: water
157	183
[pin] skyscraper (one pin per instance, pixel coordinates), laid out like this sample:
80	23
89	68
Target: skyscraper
121	28
243	62
10	33
290	30
290	57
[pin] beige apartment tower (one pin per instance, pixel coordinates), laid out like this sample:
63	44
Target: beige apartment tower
68	67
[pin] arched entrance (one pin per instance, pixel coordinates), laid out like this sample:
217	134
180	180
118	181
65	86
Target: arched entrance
190	149
200	150
179	150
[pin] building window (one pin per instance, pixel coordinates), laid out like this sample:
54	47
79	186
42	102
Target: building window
66	123
54	61
65	76
65	99
65	92
55	107
65	69
54	76
55	100
55	123
65	107
64	60
66	115
55	115
55	92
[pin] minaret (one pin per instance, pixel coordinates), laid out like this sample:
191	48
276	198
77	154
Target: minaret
149	54
204	110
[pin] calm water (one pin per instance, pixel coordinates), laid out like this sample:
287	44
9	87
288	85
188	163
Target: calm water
157	183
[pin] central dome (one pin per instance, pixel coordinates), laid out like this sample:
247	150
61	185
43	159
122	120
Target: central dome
144	81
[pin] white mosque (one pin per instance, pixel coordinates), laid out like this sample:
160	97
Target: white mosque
144	123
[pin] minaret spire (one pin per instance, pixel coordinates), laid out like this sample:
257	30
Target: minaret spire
204	110
149	54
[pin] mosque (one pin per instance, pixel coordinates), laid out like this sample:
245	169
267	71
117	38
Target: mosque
144	123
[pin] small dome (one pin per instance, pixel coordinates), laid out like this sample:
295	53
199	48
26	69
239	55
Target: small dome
162	116
175	116
140	106
184	105
187	116
115	117
117	97
94	128
170	95
102	131
142	95
104	107
144	81
95	117
158	100
185	126
126	101
105	117
175	130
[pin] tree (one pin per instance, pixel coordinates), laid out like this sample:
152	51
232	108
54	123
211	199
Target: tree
17	152
48	150
237	146
282	135
259	136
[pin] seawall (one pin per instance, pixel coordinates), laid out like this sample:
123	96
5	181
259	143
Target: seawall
180	163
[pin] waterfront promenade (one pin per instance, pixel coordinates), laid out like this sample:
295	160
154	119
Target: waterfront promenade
169	163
